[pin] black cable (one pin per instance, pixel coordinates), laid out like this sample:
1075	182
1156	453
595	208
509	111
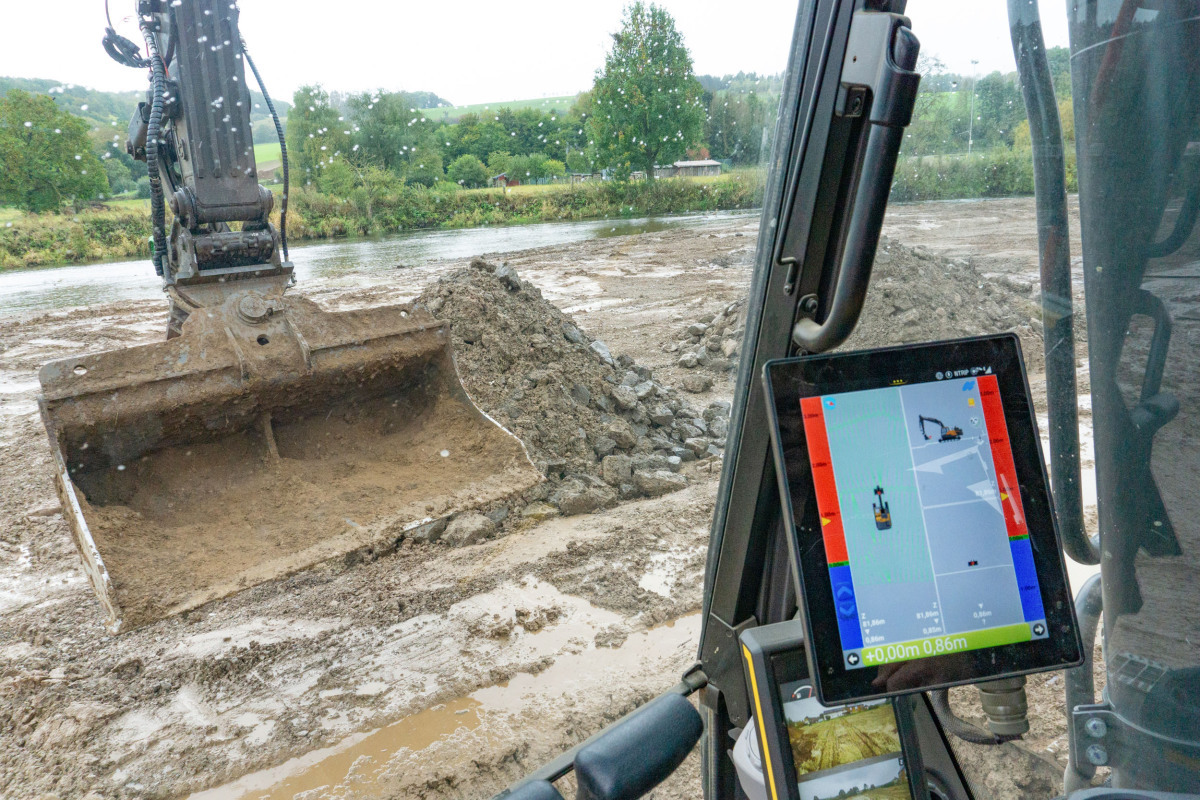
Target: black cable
153	137
120	49
282	150
968	732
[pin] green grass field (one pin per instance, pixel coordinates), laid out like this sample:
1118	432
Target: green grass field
454	112
267	155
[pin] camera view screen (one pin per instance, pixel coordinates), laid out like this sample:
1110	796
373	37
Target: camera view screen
844	752
922	521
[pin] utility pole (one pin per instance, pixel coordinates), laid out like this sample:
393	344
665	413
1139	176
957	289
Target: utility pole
971	118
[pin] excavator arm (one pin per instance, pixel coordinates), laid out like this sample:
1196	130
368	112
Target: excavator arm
194	132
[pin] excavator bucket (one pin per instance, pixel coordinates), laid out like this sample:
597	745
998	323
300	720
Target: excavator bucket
269	437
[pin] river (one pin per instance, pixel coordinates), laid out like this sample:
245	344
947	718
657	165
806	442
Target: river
33	290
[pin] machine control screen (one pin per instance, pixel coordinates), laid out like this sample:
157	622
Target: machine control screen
921	518
922	536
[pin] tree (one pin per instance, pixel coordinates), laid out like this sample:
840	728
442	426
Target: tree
468	171
46	157
120	179
316	134
425	166
646	104
554	169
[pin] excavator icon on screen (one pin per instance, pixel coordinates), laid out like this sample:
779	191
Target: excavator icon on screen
883	514
946	434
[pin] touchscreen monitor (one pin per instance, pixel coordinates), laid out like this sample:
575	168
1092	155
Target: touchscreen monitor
914	477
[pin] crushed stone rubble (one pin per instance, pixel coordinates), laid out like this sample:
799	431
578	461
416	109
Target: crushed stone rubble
915	296
598	425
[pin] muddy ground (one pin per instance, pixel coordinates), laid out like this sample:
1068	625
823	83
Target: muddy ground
434	671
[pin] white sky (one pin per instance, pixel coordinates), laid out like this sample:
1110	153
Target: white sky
470	51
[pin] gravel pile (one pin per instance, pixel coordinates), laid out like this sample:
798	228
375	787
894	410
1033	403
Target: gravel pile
915	296
597	425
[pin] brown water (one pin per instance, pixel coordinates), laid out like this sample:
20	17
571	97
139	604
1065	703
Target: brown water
338	262
357	763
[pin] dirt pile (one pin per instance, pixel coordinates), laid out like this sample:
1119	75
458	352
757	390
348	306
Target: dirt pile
915	296
598	426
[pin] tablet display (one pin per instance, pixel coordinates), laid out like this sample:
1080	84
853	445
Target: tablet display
914	476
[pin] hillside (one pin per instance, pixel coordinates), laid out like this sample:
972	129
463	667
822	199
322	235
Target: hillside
453	113
102	109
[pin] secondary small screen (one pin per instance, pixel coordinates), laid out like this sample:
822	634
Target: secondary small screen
845	751
922	521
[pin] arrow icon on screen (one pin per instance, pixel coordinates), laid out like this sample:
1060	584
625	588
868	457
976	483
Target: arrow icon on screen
825	522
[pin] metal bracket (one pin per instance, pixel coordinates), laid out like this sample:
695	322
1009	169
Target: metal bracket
877	42
724	662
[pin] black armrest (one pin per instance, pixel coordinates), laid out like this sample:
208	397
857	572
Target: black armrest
638	754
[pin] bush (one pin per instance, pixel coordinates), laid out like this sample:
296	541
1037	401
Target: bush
143	187
468	171
996	173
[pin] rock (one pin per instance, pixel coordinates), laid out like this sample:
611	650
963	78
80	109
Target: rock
643	372
536	512
572	334
713	450
674	463
625	397
573	500
718	409
580	394
658	482
686	430
479	263
603	403
729	347
660	414
603	446
671	347
469	528
508	276
620	432
498	515
649	462
697	444
601	350
697	329
696	383
645	389
429	532
625	362
703	357
683	454
688	361
719	427
616	469
630	378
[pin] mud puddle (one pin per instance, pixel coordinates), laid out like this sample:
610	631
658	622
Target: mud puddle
362	766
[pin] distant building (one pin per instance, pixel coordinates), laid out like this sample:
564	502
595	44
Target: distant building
689	169
502	180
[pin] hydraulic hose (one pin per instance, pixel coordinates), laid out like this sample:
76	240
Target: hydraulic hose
283	204
158	78
1054	255
959	727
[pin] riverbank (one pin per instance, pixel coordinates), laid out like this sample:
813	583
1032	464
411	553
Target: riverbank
110	234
